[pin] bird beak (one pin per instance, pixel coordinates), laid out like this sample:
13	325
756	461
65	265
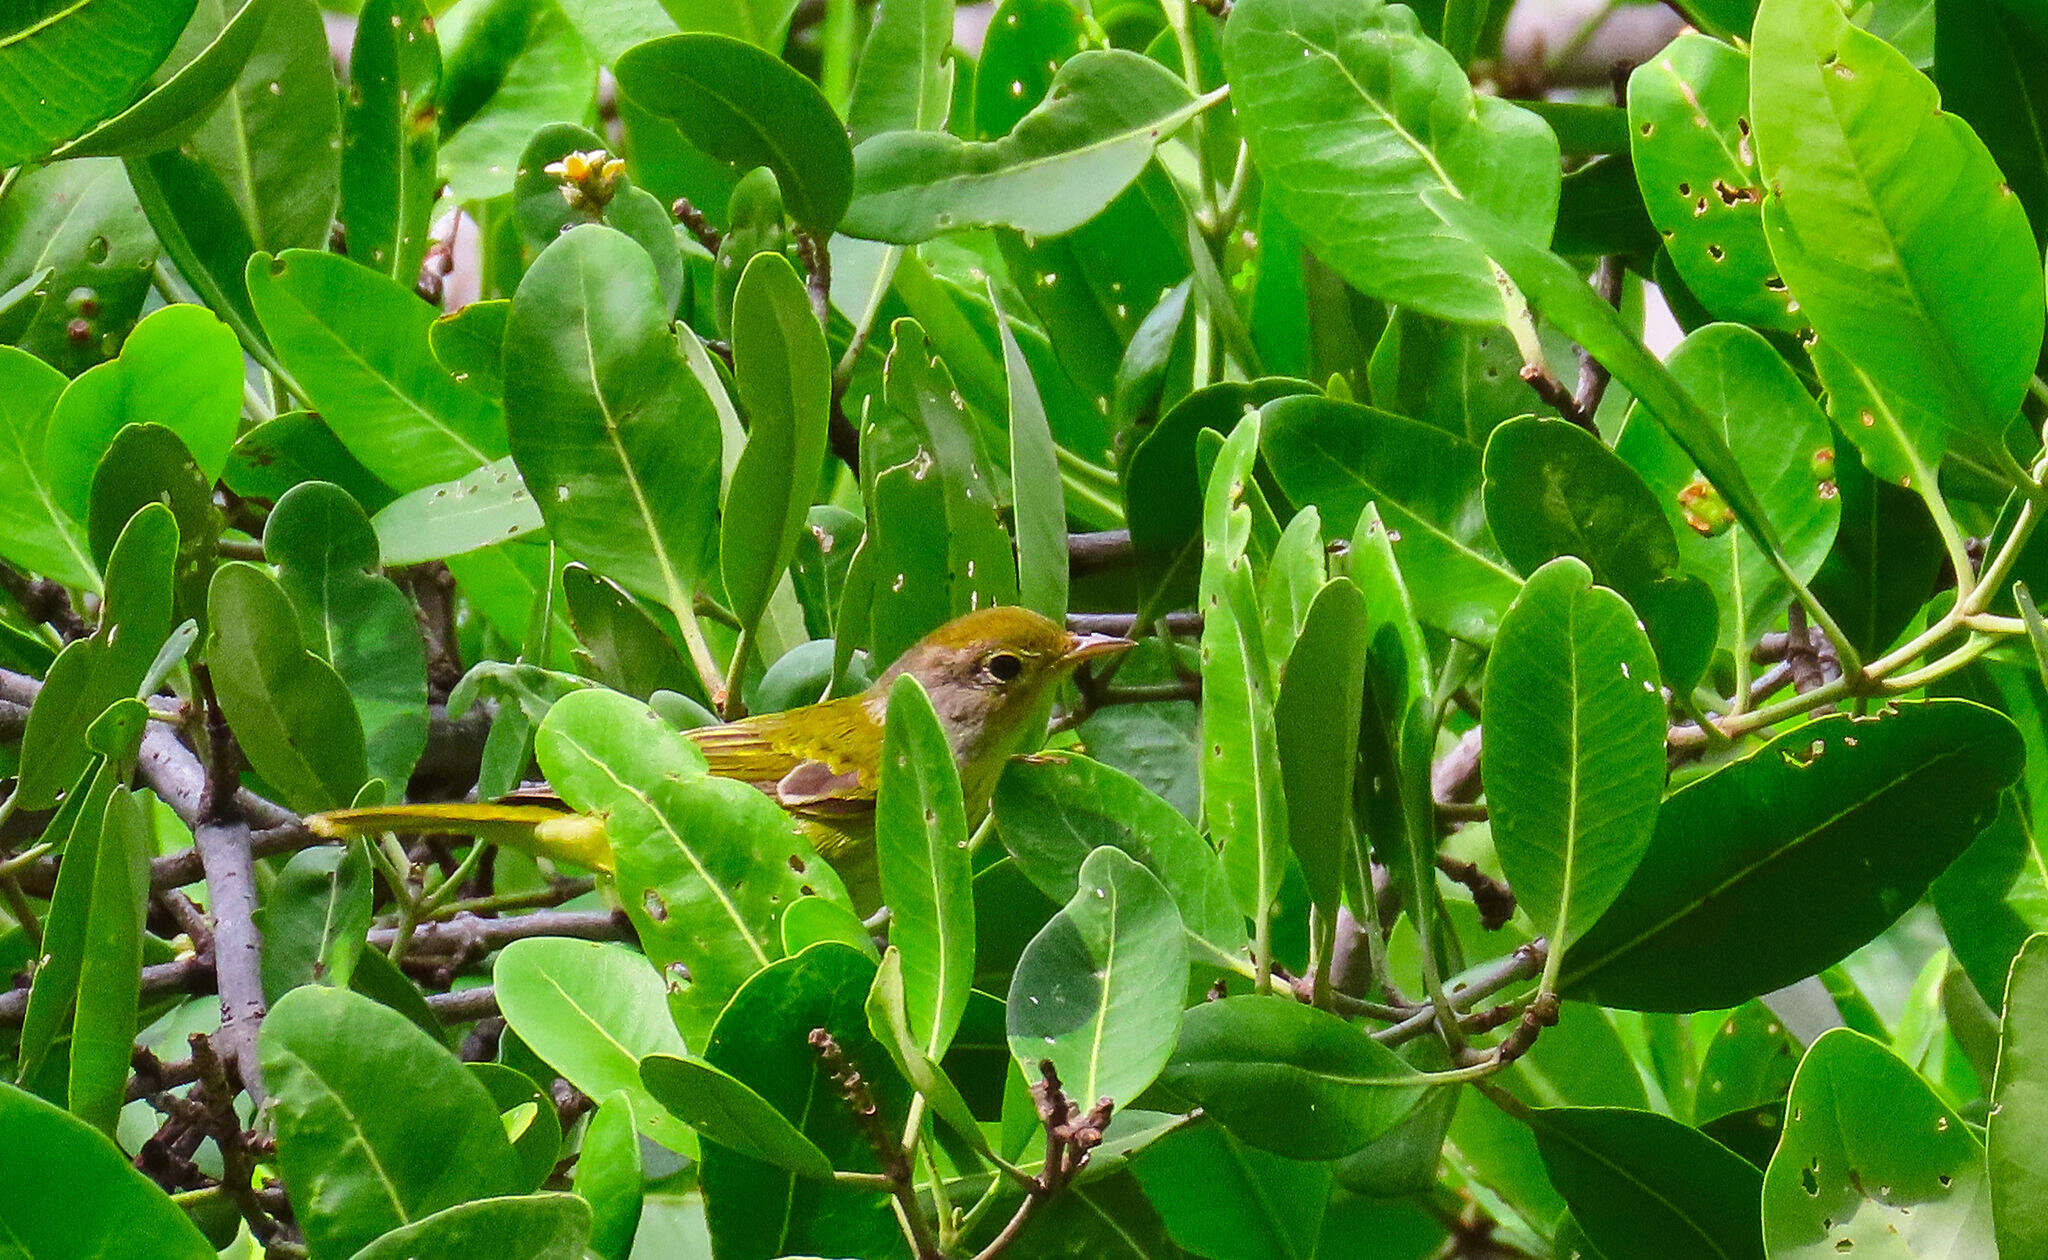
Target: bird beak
1086	647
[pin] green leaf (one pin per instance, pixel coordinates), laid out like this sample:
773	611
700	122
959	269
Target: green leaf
611	27
1040	508
1644	1186
1461	379
591	1012
1779	436
1928	289
1351	112
1055	809
889	1021
1574	756
546	204
470	343
784	376
755	224
356	342
1988	62
514	68
53	992
1859	813
1096	283
927	875
1162	490
93	673
298	446
609	1175
1689	137
185	88
291	713
1553	489
762	1039
811	919
1749	1063
938	544
315	916
514	1227
621	645
390	137
359	1157
1098	990
903	81
1397	735
1316	722
1244	804
181	368
354	618
450	518
705	865
528	1113
1221	1197
36	532
1056	169
1288	1078
274	142
2019	1110
106	48
1872	1161
103	1029
1886	559
613	436
728	1112
80	221
146	465
1559	293
60	1163
748	108
1426	483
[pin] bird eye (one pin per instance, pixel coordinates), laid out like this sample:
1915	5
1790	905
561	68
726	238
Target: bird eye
1003	667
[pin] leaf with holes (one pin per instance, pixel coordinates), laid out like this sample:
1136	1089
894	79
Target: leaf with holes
1695	159
1873	1162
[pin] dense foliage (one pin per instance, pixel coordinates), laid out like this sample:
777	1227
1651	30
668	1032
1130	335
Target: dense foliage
1569	797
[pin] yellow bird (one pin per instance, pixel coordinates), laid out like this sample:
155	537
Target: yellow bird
987	673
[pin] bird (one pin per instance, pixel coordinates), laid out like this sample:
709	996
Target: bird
987	673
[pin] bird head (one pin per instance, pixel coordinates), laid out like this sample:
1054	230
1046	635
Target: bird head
987	673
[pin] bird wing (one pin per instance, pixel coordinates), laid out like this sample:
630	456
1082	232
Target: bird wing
816	761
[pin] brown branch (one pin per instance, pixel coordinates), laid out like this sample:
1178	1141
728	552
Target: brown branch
1496	901
687	214
222	841
816	257
464	1005
238	1164
467	934
1185	624
45	601
1593	374
1524	963
1105	549
1070	1137
895	1165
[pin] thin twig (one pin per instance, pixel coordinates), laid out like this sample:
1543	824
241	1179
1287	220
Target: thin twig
1593	374
1496	901
687	214
867	1116
238	1167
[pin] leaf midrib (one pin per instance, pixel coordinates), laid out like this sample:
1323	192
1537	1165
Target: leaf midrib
1579	973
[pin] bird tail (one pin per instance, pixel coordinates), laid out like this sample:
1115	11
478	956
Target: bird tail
552	831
